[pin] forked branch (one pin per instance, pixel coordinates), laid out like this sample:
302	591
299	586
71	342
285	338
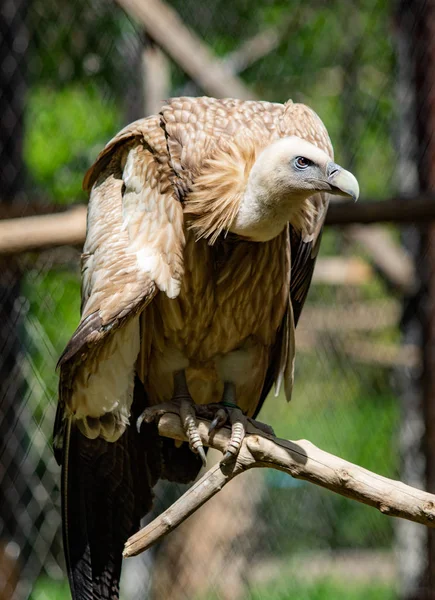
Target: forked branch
301	460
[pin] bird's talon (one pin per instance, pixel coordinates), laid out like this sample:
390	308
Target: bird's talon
188	420
227	457
219	421
200	450
139	422
238	430
153	413
148	415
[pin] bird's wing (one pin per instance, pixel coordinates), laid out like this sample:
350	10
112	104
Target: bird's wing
133	250
300	120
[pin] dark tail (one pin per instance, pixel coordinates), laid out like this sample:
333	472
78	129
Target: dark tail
106	489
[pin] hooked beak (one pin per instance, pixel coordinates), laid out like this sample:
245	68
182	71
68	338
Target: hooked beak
342	182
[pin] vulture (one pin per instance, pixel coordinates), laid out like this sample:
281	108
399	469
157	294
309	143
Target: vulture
203	228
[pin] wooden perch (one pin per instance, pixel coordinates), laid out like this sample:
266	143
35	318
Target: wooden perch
301	460
69	227
362	351
392	261
420	209
32	233
339	270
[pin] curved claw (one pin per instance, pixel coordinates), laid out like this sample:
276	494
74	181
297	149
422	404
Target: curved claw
139	421
201	452
219	421
238	431
188	420
227	456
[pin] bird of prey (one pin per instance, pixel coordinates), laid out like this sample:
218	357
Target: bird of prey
204	223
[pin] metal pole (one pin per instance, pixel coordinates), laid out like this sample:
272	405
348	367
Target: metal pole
416	20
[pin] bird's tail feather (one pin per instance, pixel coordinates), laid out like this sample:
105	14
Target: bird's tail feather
106	489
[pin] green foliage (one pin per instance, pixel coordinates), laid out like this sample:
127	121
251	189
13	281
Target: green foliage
333	407
65	130
53	314
49	589
285	588
80	42
324	589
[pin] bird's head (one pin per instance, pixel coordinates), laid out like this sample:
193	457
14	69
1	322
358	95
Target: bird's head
284	175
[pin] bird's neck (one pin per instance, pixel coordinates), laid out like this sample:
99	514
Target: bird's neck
262	214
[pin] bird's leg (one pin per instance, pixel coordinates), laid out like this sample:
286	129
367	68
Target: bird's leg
228	410
187	414
184	402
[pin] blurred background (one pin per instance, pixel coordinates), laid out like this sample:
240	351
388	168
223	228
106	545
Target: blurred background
72	73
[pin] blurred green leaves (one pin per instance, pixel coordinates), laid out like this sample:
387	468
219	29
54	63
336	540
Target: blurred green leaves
54	305
323	589
65	130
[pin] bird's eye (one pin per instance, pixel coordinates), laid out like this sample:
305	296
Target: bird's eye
302	163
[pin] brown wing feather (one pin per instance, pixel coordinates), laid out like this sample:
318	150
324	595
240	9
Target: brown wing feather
303	261
133	249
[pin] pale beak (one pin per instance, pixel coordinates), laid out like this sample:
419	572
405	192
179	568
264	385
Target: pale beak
342	182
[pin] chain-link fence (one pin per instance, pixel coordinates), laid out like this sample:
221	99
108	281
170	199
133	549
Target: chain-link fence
73	72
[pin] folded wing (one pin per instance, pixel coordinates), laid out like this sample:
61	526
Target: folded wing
133	251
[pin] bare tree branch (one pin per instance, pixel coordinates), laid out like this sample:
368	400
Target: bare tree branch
301	460
41	231
340	270
357	316
69	227
361	350
256	47
388	256
402	209
168	30
156	78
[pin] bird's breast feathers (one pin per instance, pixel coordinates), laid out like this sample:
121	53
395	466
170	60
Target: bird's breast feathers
232	301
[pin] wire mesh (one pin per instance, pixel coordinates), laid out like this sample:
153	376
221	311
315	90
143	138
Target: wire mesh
75	76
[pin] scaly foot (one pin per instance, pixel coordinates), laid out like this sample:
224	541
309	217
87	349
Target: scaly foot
183	401
227	410
219	414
